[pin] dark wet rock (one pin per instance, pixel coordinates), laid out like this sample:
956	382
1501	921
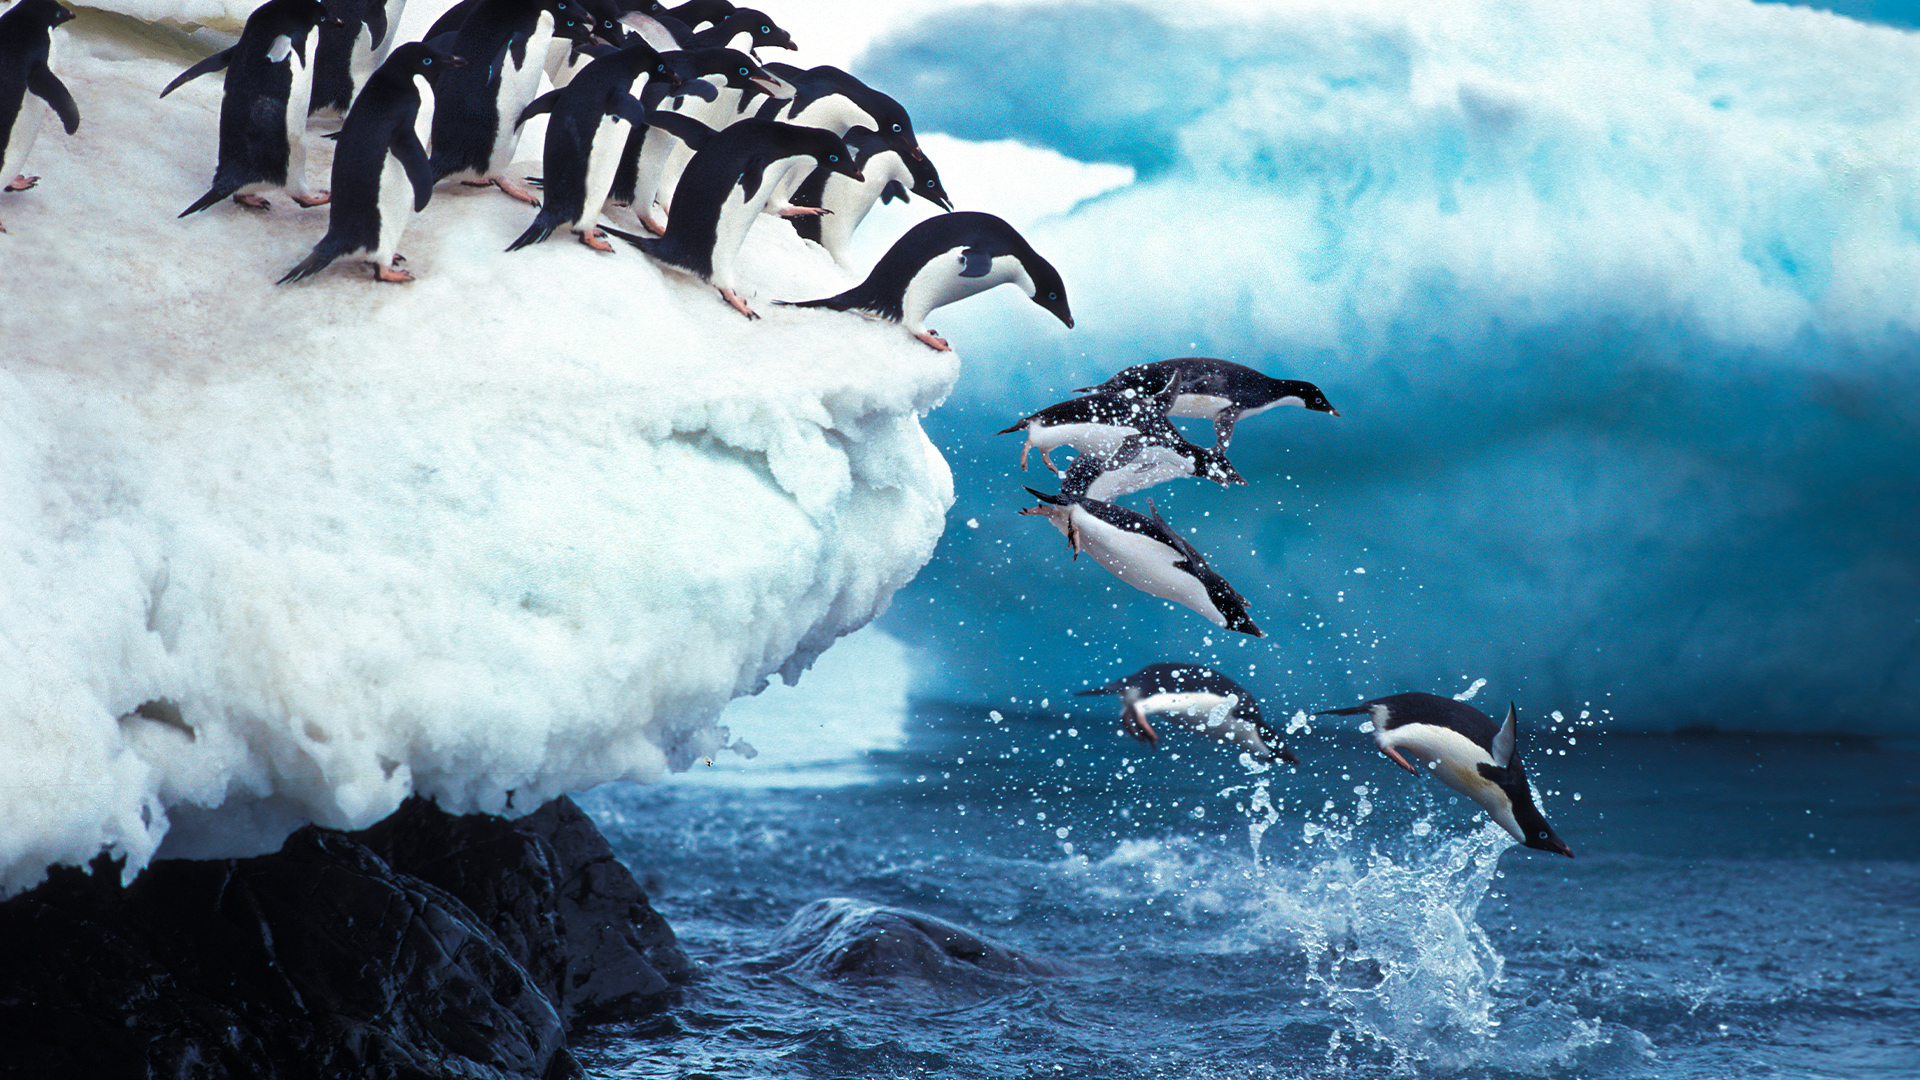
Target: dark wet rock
849	941
428	946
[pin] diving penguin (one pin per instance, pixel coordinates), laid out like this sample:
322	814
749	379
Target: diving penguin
1217	390
1202	700
1467	751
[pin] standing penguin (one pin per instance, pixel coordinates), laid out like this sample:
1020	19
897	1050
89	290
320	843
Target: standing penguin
890	174
1203	700
477	107
380	171
948	258
1144	551
345	53
26	42
263	106
1467	751
732	175
591	120
1217	390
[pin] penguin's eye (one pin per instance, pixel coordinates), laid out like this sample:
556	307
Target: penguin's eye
766	29
896	127
743	71
426	60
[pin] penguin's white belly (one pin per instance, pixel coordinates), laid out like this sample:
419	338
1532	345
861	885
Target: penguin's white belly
1198	406
1086	438
32	113
396	191
518	86
1153	465
299	96
848	201
939	283
1455	760
1193	705
603	160
1144	563
738	213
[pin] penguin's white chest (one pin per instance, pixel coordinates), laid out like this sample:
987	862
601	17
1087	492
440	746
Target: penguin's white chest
1455	760
1144	563
1154	464
941	282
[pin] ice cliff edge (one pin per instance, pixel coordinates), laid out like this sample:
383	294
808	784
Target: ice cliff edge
276	555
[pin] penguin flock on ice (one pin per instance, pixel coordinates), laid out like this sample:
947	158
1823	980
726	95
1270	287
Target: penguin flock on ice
667	111
670	112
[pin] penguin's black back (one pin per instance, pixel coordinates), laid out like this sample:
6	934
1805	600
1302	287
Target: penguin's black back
466	105
884	290
1419	707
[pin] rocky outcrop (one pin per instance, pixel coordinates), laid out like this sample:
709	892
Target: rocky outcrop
426	946
849	941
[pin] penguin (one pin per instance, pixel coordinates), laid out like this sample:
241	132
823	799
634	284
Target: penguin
654	160
948	258
1144	551
1157	454
697	12
26	43
1203	700
830	98
476	107
263	106
730	178
1467	751
381	176
1095	424
612	29
889	174
1217	390
587	129
346	53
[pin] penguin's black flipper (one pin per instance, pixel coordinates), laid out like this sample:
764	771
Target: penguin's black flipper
375	20
685	128
976	261
894	190
541	104
44	83
412	156
629	108
210	64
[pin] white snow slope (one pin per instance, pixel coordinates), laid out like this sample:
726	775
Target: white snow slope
515	529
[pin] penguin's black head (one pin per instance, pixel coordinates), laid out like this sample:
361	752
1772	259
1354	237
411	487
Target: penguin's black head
1539	834
737	68
604	21
1310	395
1048	290
766	33
420	58
926	181
572	21
321	13
46	13
835	154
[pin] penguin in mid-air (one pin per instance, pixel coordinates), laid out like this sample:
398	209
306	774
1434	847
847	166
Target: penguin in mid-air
948	258
1202	700
26	43
1094	424
890	174
1156	454
1217	390
1144	551
477	107
381	177
263	105
729	180
1468	752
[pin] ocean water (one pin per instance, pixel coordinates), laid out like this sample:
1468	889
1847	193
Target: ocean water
1739	906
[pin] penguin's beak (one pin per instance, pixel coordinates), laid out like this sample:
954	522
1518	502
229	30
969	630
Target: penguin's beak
773	87
641	22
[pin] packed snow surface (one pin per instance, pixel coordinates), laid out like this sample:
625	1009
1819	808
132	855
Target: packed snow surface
520	527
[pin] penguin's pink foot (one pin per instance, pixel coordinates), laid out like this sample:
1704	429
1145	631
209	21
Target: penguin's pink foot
1023	456
594	239
22	182
739	305
1398	760
934	341
804	211
1048	462
653	224
321	199
253	202
516	189
391	273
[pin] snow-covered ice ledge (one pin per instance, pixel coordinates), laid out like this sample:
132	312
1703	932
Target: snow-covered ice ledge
523	526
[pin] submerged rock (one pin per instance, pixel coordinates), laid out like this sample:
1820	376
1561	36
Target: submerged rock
428	945
846	940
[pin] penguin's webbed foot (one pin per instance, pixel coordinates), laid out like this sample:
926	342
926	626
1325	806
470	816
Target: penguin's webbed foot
1023	456
1044	460
653	224
1398	760
321	199
733	298
392	273
515	189
934	341
804	211
22	182
253	202
594	239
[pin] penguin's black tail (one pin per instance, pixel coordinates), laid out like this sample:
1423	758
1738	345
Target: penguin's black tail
536	233
214	194
644	243
323	255
834	303
1353	710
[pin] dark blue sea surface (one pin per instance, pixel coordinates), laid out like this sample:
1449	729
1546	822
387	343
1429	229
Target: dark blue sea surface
1739	907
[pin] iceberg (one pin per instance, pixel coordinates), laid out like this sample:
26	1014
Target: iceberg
278	555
